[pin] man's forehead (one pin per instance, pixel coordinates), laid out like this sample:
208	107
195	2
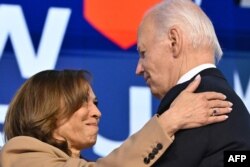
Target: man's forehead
144	39
145	24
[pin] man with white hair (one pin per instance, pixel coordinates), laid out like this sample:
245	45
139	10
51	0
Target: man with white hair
176	42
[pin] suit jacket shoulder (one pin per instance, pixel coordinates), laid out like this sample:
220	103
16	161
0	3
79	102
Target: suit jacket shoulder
24	151
205	146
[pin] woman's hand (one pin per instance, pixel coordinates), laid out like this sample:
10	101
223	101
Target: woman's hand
191	110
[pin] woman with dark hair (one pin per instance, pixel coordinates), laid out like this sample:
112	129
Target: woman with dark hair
54	116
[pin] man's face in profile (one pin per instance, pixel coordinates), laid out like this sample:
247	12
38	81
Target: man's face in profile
155	63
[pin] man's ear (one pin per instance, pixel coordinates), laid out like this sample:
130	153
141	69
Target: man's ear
175	38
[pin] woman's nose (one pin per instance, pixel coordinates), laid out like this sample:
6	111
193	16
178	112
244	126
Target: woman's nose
97	114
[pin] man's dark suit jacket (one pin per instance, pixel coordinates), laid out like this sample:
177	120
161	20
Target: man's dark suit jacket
204	146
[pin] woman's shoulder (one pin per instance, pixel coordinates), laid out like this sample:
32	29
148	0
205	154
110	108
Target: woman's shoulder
26	144
23	140
24	151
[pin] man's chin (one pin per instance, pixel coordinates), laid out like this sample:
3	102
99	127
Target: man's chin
155	93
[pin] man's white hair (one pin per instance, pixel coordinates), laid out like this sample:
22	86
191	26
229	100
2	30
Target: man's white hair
191	19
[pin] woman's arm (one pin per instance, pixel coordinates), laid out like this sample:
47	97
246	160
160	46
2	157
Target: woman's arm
141	149
189	110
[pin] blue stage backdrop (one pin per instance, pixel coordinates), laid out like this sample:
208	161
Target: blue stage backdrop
101	37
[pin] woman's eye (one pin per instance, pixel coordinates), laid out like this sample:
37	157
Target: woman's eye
95	102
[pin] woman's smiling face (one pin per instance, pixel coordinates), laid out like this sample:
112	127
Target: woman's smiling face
81	129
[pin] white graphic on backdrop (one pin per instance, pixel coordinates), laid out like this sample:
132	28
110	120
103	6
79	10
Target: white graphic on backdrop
13	25
3	110
237	87
198	2
245	3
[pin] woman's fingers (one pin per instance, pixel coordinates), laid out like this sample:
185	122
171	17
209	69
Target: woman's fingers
192	110
216	119
194	84
196	110
219	104
213	95
209	116
219	111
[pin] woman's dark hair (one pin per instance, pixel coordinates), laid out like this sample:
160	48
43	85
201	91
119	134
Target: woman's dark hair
42	100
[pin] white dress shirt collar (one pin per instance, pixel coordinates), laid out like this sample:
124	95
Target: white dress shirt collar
191	73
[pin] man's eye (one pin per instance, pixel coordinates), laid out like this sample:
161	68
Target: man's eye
142	54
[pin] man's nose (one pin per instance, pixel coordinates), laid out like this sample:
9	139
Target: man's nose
139	69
